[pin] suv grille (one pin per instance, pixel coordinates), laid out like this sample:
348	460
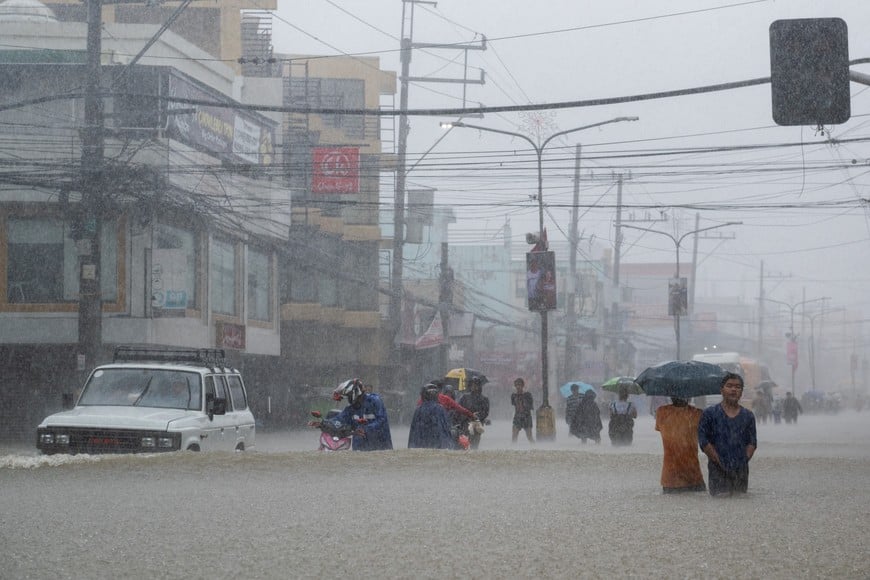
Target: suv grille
84	440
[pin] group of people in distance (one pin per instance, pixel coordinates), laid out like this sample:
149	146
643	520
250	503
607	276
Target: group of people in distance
440	422
725	432
584	418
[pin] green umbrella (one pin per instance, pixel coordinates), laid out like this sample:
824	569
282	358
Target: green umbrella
616	383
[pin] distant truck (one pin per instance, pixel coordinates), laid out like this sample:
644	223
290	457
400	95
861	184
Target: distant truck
753	371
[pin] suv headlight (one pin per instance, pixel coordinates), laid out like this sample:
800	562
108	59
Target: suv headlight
62	439
46	438
165	442
147	442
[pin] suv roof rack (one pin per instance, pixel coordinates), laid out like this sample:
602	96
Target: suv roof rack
206	356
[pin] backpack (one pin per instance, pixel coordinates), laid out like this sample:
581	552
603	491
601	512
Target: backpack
620	423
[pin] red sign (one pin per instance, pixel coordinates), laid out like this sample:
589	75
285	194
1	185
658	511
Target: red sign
335	170
230	335
791	353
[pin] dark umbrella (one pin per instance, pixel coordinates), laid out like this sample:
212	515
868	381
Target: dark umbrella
682	379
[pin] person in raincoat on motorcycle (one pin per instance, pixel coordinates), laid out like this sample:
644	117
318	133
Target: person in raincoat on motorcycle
367	414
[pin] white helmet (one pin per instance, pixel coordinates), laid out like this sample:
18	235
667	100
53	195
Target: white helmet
351	388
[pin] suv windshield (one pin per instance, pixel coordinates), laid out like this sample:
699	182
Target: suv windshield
143	388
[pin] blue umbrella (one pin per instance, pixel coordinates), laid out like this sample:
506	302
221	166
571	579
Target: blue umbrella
683	379
565	389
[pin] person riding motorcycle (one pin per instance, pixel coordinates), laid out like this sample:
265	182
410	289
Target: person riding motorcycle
478	404
430	427
367	413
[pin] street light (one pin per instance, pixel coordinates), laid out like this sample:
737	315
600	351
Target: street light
677	242
546	426
793	358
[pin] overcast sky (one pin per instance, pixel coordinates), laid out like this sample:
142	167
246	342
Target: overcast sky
573	50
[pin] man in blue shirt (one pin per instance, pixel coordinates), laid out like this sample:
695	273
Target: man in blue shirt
726	435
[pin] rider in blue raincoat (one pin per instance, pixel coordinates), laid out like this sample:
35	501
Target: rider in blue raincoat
430	427
367	414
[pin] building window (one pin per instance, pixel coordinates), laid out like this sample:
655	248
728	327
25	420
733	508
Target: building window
174	268
259	285
222	284
42	265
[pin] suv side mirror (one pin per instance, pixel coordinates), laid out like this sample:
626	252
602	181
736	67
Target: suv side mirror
219	407
67	401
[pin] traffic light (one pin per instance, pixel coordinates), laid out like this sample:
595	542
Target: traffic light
809	71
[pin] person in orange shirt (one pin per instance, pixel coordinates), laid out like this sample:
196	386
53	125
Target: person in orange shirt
678	425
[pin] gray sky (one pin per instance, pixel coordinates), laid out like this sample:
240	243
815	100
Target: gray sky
571	50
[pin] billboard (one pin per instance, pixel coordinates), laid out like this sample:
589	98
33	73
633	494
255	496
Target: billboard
233	135
541	280
678	297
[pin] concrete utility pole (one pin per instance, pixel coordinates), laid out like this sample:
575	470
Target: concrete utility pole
396	274
89	221
571	370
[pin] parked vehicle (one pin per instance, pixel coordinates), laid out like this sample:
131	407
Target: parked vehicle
153	399
334	435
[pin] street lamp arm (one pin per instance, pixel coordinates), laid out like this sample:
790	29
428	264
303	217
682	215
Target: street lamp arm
461	124
593	125
708	228
651	231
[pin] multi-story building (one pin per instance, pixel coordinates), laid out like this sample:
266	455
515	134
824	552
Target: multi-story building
213	232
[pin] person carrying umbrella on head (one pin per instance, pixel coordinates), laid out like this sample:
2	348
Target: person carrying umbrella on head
678	425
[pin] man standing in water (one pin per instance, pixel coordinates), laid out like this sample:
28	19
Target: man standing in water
523	405
726	435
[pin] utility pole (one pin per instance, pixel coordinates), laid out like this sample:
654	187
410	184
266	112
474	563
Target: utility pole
761	299
407	45
89	221
615	326
571	371
445	301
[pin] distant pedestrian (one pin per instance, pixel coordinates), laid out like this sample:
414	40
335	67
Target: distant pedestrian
523	405
572	405
620	428
791	408
678	425
587	421
726	434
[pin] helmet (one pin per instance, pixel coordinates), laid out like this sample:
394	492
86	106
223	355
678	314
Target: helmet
351	388
430	392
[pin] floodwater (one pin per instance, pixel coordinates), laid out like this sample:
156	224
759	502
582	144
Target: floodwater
555	510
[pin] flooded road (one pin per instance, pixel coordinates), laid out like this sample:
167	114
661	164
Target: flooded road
555	510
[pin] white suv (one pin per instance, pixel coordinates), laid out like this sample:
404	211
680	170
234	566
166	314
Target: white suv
153	399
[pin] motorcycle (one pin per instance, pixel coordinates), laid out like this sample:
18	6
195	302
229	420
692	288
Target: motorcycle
334	436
